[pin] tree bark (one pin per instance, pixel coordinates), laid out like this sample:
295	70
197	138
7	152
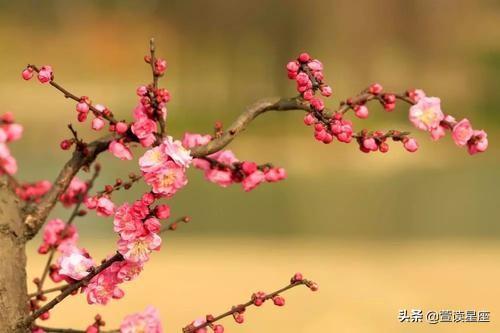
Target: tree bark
13	289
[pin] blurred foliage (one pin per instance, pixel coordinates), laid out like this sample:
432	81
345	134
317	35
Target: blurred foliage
223	55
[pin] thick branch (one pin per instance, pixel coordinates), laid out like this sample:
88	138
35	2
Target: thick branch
242	122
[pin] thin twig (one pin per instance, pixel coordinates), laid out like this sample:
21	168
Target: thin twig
242	307
68	94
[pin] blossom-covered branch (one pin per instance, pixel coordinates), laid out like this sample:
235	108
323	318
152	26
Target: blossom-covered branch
164	165
237	311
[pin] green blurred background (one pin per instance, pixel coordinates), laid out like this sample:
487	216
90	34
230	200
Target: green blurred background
222	56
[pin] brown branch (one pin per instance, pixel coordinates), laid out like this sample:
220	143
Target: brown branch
242	307
47	291
35	215
68	94
26	322
242	122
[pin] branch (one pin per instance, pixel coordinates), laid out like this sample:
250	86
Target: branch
256	299
68	94
35	215
26	322
242	122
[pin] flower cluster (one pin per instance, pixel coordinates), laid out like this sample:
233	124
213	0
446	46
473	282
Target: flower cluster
138	226
9	131
101	204
58	235
33	191
164	167
147	321
224	169
426	114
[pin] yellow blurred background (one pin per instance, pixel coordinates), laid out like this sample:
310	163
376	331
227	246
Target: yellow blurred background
379	233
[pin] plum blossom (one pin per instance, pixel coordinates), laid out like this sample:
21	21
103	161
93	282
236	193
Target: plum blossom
426	114
153	160
147	321
126	224
145	129
76	188
462	132
176	152
105	207
75	265
120	150
139	249
103	287
45	75
56	234
167	180
33	191
251	181
478	143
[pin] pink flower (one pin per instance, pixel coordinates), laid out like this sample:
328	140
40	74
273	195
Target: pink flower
127	270
411	145
250	182
53	233
220	177
75	265
105	207
225	157
370	144
139	249
478	143
153	159
275	174
426	114
438	132
176	151
13	131
28	73
144	322
103	287
124	223
121	127
152	224
45	75
191	140
145	129
75	189
120	150
168	180
361	111
97	124
462	132
162	211
82	107
160	66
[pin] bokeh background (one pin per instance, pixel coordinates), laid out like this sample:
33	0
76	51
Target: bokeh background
379	233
